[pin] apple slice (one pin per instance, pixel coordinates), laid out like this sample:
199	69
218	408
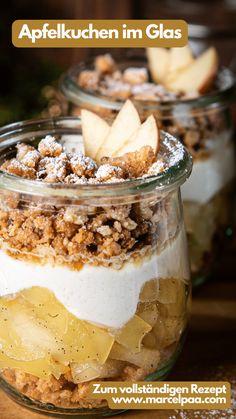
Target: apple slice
146	135
180	58
125	124
94	130
158	61
198	76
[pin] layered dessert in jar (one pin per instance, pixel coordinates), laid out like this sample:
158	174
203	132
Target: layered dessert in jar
190	97
93	261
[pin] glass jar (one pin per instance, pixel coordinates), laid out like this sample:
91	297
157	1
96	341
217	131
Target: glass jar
94	278
204	125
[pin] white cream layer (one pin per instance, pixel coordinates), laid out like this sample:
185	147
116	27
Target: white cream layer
100	295
211	175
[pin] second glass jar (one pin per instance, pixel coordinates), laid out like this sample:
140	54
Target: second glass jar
204	125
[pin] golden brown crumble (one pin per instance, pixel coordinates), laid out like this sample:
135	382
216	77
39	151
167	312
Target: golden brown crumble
51	164
77	234
134	164
17	168
104	63
89	79
22	150
135	75
63	392
49	147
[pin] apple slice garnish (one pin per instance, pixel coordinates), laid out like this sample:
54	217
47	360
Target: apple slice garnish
180	58
158	61
146	135
125	124
94	130
198	76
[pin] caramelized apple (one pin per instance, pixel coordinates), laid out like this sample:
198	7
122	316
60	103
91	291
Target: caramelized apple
38	325
132	333
148	312
147	359
42	367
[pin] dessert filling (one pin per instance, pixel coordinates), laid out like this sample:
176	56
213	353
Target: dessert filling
211	173
113	293
91	291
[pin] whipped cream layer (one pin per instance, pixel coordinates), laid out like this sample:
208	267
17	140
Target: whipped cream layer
210	175
100	295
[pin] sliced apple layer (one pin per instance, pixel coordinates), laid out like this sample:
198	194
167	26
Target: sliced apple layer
126	134
39	336
95	130
146	135
182	72
158	59
40	328
179	59
124	125
198	76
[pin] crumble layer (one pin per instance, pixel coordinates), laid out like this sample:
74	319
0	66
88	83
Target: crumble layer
63	392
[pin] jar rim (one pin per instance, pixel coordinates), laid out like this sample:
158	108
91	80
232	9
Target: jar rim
77	95
14	133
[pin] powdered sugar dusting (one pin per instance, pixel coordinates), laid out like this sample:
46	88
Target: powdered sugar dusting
158	167
31	158
48	146
108	172
82	165
175	148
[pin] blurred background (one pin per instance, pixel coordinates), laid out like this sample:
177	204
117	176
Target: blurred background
27	73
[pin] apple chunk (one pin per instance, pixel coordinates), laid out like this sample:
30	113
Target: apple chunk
146	135
198	76
180	58
158	60
125	124
94	130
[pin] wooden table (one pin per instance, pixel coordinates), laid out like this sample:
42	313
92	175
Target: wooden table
209	352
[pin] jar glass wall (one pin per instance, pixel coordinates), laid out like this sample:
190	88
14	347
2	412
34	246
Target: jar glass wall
204	125
94	279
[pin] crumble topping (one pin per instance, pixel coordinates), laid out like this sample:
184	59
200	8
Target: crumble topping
133	82
108	172
17	168
135	76
104	63
51	164
83	166
89	79
134	164
22	150
49	147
